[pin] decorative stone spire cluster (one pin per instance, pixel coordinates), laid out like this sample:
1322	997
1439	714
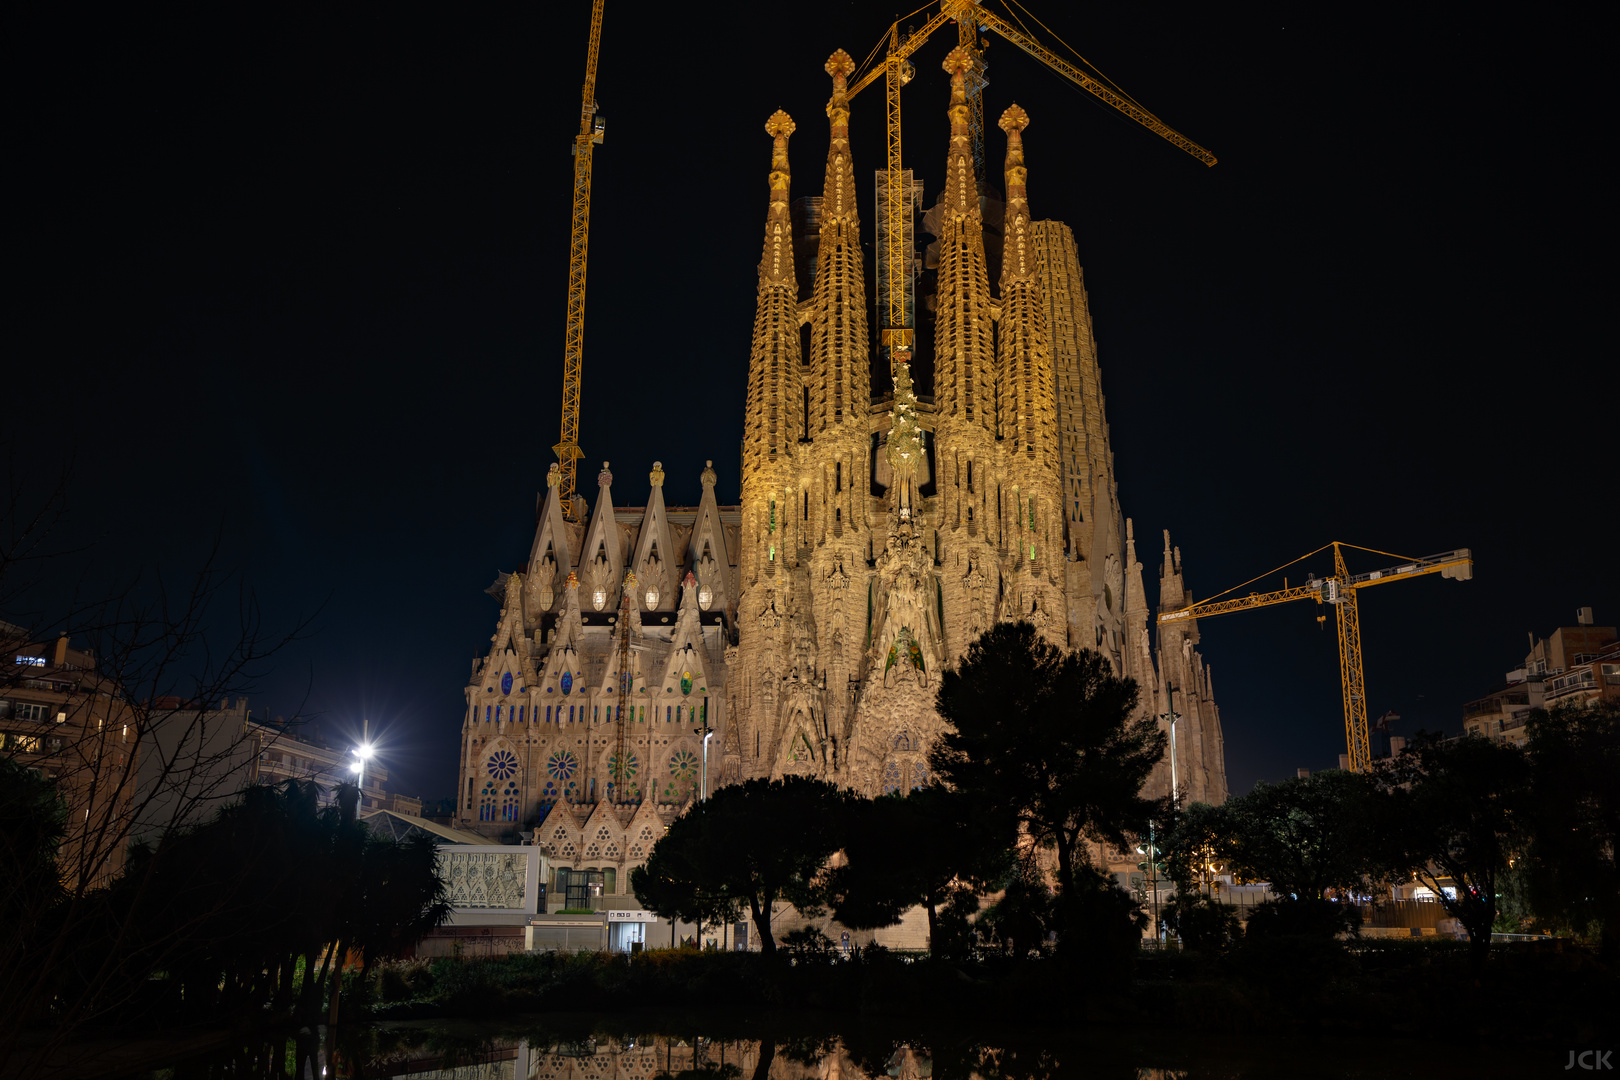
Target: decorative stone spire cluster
963	341
1027	393
773	420
838	375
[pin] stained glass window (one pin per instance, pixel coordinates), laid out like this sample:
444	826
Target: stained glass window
548	714
562	765
891	777
506	683
487	711
502	764
683	764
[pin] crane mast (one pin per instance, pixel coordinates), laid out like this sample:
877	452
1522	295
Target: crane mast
591	129
1340	591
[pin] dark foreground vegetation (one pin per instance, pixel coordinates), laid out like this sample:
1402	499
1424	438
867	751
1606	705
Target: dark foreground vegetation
1045	760
1528	993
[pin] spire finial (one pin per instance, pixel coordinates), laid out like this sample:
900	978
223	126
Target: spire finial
708	476
779	127
839	65
959	62
1014	120
1017	258
656	477
604	478
553	476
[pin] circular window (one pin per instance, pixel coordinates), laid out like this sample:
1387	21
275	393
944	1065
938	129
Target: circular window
563	765
502	764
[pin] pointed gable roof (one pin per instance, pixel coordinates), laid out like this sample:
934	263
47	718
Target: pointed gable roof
564	653
551	536
508	636
687	654
601	560
656	562
706	554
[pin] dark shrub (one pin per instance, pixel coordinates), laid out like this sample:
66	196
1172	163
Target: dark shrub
1303	918
1202	923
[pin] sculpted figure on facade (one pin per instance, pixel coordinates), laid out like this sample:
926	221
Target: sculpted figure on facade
875	537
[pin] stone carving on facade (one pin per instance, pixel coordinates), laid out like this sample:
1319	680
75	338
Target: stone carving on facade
873	542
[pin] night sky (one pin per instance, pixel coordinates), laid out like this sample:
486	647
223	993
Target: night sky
298	281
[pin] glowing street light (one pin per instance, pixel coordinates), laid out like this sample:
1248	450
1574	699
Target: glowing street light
362	754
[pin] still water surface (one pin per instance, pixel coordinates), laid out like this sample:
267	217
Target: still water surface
705	1046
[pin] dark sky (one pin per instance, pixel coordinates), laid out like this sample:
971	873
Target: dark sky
298	280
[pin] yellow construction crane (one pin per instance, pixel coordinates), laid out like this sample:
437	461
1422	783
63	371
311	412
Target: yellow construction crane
896	70
591	128
1339	590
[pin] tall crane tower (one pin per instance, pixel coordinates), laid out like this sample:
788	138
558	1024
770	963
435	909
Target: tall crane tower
592	126
1340	591
896	70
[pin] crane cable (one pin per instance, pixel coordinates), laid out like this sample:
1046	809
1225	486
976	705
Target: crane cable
1302	558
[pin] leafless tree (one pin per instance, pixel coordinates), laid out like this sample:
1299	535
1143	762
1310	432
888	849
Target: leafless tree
98	681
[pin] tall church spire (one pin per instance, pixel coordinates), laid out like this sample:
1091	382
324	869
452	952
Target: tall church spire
773	418
1025	387
773	423
963	345
839	379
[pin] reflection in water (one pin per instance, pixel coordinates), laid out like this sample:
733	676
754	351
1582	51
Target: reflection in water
599	1049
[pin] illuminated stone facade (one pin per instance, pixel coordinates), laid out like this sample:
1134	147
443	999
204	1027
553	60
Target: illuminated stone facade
874	540
876	545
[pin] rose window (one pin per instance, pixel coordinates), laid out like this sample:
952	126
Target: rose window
502	764
562	765
683	764
623	769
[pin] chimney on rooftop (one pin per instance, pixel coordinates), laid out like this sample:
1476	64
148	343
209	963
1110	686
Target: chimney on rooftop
1583	616
60	659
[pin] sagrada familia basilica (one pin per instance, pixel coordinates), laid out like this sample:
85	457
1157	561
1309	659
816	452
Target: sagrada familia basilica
641	653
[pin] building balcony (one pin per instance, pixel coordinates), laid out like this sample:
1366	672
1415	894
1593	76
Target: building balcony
1573	682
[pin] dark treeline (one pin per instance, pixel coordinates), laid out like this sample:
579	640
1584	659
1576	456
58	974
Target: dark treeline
1043	755
256	909
1509	839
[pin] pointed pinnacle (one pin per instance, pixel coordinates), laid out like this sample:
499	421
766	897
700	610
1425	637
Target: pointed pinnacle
1014	119
839	66
780	125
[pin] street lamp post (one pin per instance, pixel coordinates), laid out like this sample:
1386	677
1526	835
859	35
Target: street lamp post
1172	717
362	754
703	777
